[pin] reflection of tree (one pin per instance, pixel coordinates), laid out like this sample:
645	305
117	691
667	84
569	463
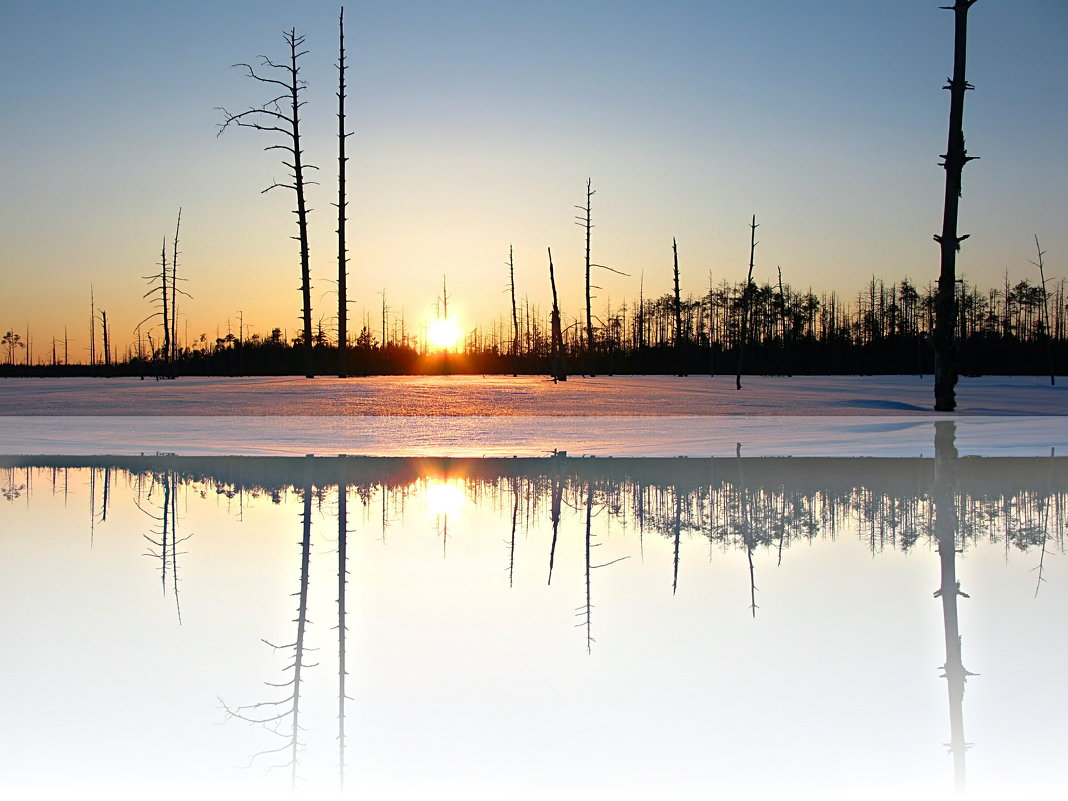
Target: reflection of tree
342	581
275	714
586	610
677	525
511	542
556	495
163	537
945	503
12	490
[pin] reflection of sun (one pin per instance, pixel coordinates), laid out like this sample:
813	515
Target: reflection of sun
444	497
443	333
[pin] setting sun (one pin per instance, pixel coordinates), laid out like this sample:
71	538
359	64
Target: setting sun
443	333
444	497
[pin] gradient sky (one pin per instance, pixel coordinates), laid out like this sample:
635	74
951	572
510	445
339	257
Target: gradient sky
476	125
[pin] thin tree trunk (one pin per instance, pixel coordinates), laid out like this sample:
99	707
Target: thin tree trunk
585	221
174	290
559	372
1040	264
107	344
746	294
342	272
515	318
92	329
679	336
166	304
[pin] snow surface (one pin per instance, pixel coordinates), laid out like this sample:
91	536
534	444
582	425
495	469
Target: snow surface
499	416
528	436
491	396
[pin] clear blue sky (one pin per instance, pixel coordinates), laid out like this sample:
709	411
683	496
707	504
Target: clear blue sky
476	125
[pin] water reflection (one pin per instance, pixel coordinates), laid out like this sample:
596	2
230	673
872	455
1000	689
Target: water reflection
593	514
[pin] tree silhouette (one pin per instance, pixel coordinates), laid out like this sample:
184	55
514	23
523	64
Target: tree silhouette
955	158
342	258
271	118
747	295
11	341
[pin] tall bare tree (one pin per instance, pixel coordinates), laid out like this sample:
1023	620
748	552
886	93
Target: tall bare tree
559	371
585	221
955	158
342	258
1041	265
281	115
172	354
747	295
515	316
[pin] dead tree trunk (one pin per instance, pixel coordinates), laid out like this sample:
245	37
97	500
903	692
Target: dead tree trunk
746	296
1040	264
107	343
270	117
92	329
166	303
680	338
173	353
955	158
584	220
342	271
711	331
785	323
559	372
515	316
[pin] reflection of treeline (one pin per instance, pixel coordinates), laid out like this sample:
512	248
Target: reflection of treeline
747	502
886	328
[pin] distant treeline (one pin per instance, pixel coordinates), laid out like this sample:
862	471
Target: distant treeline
887	328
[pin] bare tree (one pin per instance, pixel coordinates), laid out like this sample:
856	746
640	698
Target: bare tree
746	297
557	362
679	334
1041	265
172	354
166	296
92	327
271	117
515	316
585	221
342	258
107	333
955	158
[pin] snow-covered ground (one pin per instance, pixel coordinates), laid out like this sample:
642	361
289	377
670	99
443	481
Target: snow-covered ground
501	416
529	436
491	396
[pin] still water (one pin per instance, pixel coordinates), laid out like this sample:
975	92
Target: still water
537	627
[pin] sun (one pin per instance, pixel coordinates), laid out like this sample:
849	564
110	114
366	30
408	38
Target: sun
444	497
443	333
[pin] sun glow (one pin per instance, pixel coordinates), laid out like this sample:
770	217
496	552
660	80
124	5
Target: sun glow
443	333
444	497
